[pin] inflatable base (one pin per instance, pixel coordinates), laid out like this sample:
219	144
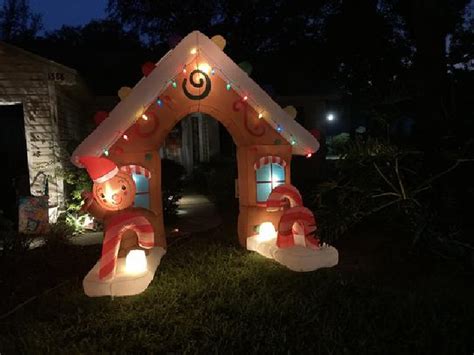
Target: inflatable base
297	258
123	283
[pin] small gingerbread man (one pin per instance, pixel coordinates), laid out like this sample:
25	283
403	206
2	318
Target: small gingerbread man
111	200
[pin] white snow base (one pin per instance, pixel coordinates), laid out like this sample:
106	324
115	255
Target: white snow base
297	258
123	284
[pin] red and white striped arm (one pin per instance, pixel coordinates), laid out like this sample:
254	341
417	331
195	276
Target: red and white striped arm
113	235
281	195
305	218
136	169
269	160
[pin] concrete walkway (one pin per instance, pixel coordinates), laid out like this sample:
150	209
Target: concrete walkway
196	213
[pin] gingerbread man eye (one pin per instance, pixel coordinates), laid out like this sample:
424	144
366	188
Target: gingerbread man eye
124	187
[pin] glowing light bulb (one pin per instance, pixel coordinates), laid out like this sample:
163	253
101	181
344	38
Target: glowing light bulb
173	83
213	71
293	141
106	152
245	98
330	117
260	115
135	262
309	155
184	69
275	179
159	102
193	51
228	86
109	192
204	67
279	128
125	137
266	231
145	117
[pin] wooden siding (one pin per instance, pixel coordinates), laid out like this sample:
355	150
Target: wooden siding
51	115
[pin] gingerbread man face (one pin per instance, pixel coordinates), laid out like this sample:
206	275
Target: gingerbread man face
116	193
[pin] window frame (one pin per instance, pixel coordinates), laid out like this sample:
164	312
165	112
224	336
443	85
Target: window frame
271	181
142	193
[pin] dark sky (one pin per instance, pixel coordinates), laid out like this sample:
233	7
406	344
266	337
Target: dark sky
70	12
78	12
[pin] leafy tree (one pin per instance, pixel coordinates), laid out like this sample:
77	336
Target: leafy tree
18	22
428	24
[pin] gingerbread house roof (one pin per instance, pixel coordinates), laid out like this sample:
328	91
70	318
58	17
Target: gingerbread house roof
148	88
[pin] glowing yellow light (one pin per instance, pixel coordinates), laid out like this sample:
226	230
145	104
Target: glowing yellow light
204	67
193	51
246	98
145	117
260	115
135	262
108	192
125	137
275	179
266	231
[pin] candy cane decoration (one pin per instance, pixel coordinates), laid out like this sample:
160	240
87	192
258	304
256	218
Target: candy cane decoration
280	196
303	216
113	235
136	169
269	159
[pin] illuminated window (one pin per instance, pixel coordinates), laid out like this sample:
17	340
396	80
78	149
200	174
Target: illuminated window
142	197
269	176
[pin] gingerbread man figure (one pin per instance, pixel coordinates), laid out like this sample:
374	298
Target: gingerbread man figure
111	200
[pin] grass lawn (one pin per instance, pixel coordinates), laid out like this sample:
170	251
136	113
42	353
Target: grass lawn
211	295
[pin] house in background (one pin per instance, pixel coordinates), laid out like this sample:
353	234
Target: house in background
195	139
43	106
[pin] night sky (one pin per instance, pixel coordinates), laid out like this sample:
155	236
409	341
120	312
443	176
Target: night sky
70	12
79	12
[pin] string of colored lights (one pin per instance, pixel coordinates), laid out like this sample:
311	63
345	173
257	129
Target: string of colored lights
209	66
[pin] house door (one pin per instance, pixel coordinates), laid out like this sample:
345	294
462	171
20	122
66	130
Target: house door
14	173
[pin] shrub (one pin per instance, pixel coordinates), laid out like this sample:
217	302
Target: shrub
373	177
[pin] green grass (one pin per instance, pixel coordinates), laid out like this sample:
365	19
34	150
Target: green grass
210	295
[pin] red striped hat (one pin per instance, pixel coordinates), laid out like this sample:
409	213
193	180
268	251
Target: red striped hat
99	169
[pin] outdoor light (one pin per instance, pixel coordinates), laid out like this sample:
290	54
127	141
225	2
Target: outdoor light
330	117
106	152
135	262
204	67
145	117
266	231
125	137
260	115
193	51
159	102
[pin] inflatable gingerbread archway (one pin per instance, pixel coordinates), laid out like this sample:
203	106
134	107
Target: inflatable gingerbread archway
197	76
